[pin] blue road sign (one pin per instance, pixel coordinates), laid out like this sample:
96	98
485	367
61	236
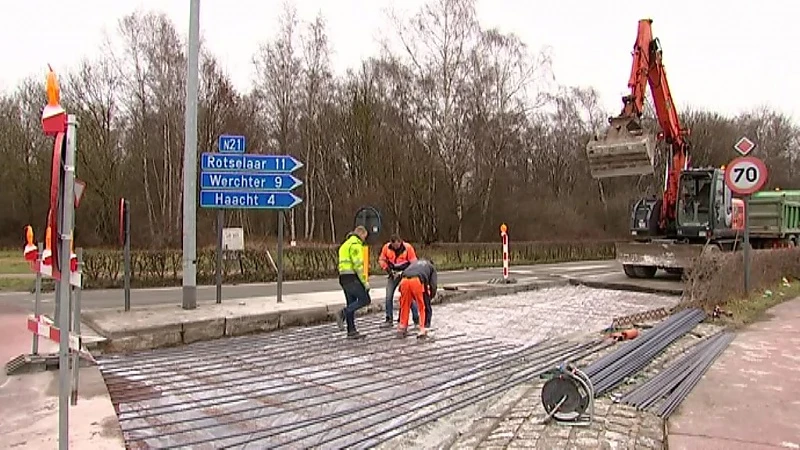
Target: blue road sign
231	144
248	182
248	199
249	163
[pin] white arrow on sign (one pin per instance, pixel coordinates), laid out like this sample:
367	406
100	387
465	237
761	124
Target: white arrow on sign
746	175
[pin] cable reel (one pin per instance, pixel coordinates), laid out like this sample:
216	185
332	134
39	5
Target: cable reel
567	397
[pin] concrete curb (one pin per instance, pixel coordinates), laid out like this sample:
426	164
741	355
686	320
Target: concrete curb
626	287
186	332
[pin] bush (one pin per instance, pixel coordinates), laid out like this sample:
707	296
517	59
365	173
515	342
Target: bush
151	268
717	278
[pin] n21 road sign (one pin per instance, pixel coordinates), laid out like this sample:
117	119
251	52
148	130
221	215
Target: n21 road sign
231	144
746	175
248	199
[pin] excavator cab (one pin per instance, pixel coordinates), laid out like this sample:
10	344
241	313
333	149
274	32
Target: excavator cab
624	149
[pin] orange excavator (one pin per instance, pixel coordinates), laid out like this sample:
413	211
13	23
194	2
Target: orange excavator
696	208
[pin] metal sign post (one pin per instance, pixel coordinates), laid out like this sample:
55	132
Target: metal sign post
38	299
746	252
745	176
279	279
232	179
67	198
189	283
218	269
76	328
125	237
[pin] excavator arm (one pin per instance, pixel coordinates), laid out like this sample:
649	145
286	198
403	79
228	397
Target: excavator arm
626	148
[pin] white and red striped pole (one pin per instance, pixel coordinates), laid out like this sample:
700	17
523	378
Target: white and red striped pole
504	235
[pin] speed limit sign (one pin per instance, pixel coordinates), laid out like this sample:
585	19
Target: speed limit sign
746	175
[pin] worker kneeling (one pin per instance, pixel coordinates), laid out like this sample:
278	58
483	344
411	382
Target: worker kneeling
418	285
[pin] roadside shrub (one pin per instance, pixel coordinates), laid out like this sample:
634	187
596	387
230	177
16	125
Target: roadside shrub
152	268
717	278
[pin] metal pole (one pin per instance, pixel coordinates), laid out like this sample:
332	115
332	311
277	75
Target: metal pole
747	244
38	300
57	286
190	162
280	257
76	327
220	224
67	199
127	254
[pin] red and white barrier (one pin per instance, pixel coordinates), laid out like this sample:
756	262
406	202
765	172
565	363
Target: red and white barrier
44	327
504	235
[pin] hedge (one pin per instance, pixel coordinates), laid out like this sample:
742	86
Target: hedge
155	268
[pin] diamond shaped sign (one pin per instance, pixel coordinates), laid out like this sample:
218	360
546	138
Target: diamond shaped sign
744	146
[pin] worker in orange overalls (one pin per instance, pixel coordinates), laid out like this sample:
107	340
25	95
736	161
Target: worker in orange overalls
395	257
418	286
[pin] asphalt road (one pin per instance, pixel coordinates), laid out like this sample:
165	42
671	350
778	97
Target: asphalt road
102	299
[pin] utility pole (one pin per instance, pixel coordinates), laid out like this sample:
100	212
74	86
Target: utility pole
190	162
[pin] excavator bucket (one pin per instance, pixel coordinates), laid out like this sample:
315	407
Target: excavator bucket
625	149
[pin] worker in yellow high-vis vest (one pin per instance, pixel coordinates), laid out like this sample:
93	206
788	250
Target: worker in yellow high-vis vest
353	279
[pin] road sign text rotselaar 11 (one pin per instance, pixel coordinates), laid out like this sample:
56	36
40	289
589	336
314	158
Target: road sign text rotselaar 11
231	144
262	164
248	200
249	182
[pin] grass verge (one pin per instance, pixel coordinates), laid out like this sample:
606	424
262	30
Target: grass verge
11	284
753	308
11	262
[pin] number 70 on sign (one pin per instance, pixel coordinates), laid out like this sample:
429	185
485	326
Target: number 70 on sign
746	175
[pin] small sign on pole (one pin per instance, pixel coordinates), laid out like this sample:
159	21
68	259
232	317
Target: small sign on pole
369	218
745	176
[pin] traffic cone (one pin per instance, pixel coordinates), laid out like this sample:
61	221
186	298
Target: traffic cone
47	253
31	251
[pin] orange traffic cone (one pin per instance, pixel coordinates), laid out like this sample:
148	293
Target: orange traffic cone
47	253
31	251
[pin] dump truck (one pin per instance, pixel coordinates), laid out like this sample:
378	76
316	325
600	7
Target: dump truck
697	211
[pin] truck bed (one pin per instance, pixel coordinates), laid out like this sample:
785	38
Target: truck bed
775	214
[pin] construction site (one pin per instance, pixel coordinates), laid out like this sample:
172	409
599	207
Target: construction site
619	353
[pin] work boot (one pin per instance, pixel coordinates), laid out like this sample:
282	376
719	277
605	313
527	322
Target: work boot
387	324
340	320
423	334
402	333
355	335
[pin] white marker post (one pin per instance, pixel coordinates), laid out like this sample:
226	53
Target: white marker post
504	235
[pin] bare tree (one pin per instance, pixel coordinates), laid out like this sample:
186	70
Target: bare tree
277	84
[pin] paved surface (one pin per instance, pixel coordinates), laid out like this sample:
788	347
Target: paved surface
114	299
29	403
750	398
363	393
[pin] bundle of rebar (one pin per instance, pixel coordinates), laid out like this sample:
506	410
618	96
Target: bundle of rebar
609	371
679	378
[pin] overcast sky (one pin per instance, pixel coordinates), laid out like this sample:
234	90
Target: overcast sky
725	55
